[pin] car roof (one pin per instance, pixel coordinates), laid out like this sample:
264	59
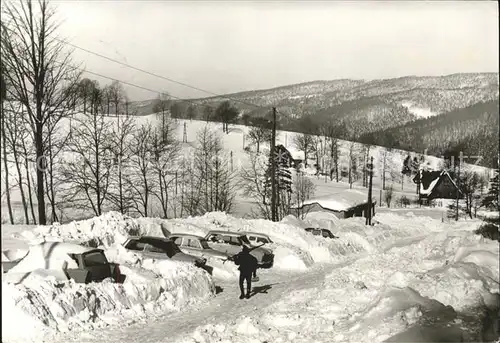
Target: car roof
256	234
226	233
187	235
151	237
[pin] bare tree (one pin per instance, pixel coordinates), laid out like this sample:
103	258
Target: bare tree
305	143
470	183
39	72
303	189
87	173
16	133
4	145
107	97
141	181
331	133
212	176
253	184
161	106
120	145
165	151
227	114
116	94
85	92
260	132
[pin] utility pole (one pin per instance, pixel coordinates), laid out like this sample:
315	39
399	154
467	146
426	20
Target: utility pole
369	212
458	185
273	168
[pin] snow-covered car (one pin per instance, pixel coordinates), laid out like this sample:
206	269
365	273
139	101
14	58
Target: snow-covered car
161	248
257	238
321	232
196	246
66	261
232	242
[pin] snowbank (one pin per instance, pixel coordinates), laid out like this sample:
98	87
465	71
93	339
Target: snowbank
294	248
104	230
151	288
437	287
38	294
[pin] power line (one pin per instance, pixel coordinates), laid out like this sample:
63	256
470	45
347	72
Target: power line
154	74
150	73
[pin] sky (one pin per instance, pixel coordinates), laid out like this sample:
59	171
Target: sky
229	46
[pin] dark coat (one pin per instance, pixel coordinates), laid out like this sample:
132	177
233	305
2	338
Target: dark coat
246	261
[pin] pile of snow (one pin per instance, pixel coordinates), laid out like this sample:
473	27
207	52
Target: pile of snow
45	301
434	287
104	230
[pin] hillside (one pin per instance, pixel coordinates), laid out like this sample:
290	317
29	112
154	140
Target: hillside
472	130
363	106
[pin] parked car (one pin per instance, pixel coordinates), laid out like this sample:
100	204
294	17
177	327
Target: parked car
256	238
66	261
321	232
196	246
232	242
161	248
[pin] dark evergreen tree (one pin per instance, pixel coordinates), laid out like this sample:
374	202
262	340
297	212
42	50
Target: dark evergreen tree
491	199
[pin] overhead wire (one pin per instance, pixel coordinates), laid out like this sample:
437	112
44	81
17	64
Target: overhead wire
155	74
148	73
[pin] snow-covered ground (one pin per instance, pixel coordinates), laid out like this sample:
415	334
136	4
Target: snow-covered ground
405	273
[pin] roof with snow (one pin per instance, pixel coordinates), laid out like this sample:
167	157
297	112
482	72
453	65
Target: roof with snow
296	154
341	201
429	180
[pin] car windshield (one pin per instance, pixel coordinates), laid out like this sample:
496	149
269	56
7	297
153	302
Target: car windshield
96	258
204	244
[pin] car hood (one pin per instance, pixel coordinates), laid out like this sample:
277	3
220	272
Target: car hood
262	251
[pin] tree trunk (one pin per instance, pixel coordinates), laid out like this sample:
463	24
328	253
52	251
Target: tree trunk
28	178
7	189
120	188
20	183
97	167
40	167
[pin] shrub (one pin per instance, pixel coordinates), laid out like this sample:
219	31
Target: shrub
488	230
403	201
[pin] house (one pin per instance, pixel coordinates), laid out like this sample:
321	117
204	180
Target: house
345	204
296	155
436	185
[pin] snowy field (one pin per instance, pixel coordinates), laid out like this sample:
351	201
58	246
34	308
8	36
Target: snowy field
408	275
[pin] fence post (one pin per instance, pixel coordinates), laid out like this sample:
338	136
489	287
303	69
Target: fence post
380	201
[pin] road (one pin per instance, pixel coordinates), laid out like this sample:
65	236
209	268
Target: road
223	308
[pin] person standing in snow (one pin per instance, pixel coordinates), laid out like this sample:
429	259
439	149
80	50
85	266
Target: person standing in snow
248	265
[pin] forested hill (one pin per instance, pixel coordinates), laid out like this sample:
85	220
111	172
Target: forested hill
472	130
